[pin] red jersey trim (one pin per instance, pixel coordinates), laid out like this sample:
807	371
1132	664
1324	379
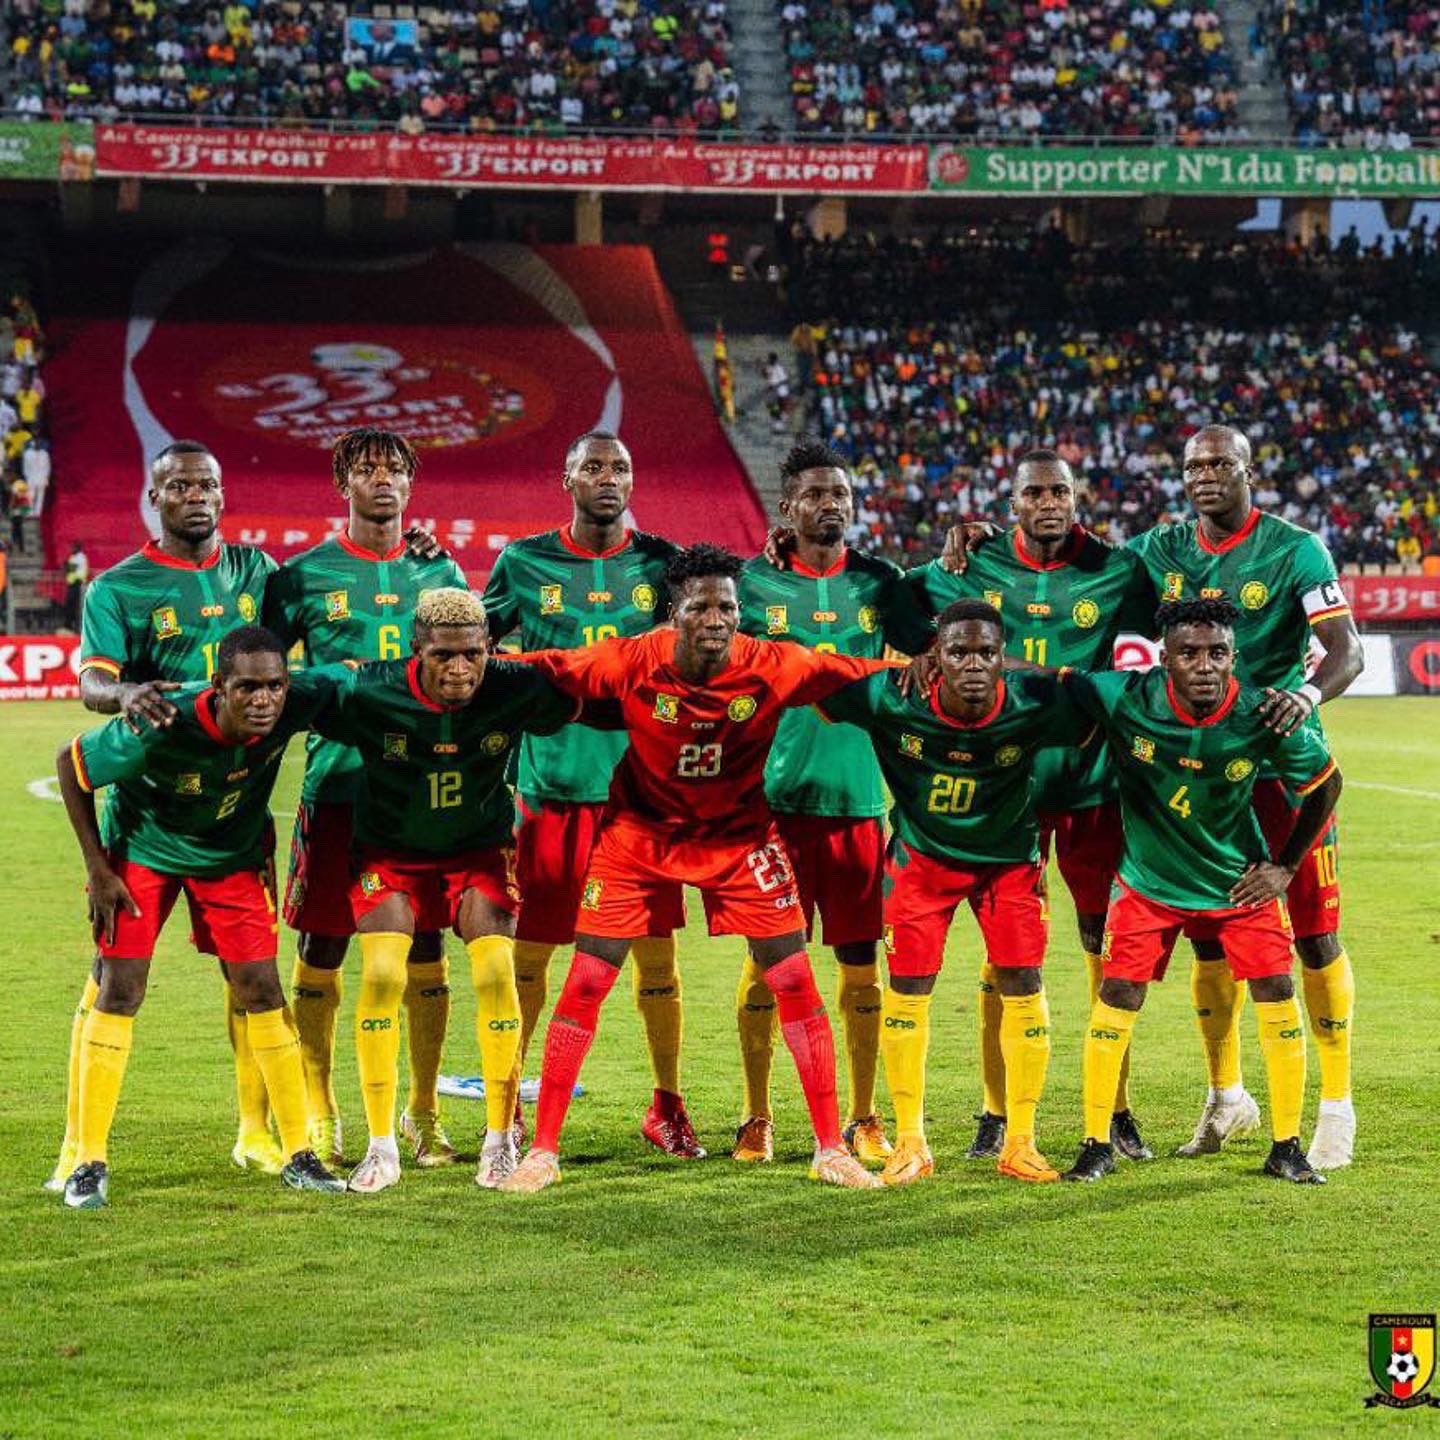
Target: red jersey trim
81	773
567	539
1072	549
799	567
101	662
1317	782
361	553
1238	538
964	724
1225	707
153	553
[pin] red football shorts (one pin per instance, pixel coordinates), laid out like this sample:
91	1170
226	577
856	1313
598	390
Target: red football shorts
434	885
1313	898
634	884
1140	935
554	840
231	916
1087	848
922	894
317	891
839	865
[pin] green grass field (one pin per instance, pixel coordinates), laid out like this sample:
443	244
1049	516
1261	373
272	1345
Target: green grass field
648	1297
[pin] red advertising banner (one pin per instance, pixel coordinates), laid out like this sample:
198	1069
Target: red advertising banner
39	667
514	162
1393	597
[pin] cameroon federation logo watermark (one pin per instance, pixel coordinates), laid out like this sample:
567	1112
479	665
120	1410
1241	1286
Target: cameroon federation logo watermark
1237	770
742	707
643	597
866	619
1254	594
1008	754
246	606
495	742
1402	1361
1086	614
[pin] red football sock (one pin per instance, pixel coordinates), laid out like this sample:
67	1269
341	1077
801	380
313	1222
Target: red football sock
567	1042
806	1028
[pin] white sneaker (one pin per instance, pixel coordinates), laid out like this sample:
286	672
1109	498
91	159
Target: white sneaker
1333	1145
379	1170
1222	1120
498	1158
840	1167
539	1170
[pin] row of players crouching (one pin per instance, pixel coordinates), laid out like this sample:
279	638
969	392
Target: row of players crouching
701	704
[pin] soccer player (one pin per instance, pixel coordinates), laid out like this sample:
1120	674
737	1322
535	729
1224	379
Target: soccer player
1284	584
1064	596
189	812
567	589
151	623
351	598
432	848
1189	741
821	781
958	758
687	806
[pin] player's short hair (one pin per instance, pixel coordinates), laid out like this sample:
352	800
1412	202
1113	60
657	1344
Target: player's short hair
177	448
958	610
581	441
1194	612
1042	456
246	640
448	608
700	562
354	445
809	454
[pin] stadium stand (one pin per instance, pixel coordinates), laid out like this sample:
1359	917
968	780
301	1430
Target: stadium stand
1114	354
24	419
543	64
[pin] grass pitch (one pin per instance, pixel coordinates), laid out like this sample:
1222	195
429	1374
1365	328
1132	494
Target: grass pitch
648	1297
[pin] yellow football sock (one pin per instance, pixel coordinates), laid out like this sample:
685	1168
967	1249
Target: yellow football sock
657	998
1025	1040
1282	1043
758	1024
276	1048
427	1014
88	997
532	965
497	1022
1218	1002
104	1053
860	1002
250	1098
904	1042
377	1025
315	1004
1330	999
992	1057
1095	967
1107	1038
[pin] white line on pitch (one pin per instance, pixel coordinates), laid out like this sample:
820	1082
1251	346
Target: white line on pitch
1393	789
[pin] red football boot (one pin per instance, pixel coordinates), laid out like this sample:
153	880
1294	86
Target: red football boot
668	1127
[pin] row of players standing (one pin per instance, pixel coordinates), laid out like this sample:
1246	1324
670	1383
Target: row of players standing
1064	595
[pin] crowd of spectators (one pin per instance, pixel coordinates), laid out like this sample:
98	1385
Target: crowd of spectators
24	437
1359	73
551	65
933	364
998	69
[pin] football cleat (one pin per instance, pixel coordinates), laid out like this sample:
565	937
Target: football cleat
517	1126
1332	1146
1287	1161
866	1139
306	1172
755	1141
670	1130
909	1161
498	1159
258	1151
64	1168
840	1167
1020	1160
427	1138
88	1186
1126	1138
1222	1120
379	1170
989	1137
326	1140
537	1171
1095	1161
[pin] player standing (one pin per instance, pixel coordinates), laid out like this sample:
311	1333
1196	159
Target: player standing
351	598
821	781
568	589
1189	741
687	806
189	812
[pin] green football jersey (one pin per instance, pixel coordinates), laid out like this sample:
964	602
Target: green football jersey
153	617
1185	785
858	607
433	777
185	801
562	597
963	792
1066	612
345	603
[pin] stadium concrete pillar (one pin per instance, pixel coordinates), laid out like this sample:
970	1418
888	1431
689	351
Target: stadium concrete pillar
827	218
339	212
1303	220
590	218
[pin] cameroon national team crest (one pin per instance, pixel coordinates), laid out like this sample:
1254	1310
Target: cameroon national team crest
590	896
187	784
552	599
1174	585
337	605
1402	1360
1143	749
495	742
643	597
396	747
994	599
667	708
1237	770
370	883
1086	614
911	746
246	606
742	707
1254	594
1008	754
166	622
777	619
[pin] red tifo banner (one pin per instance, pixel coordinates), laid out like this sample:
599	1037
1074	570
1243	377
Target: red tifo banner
39	667
506	160
1395	597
